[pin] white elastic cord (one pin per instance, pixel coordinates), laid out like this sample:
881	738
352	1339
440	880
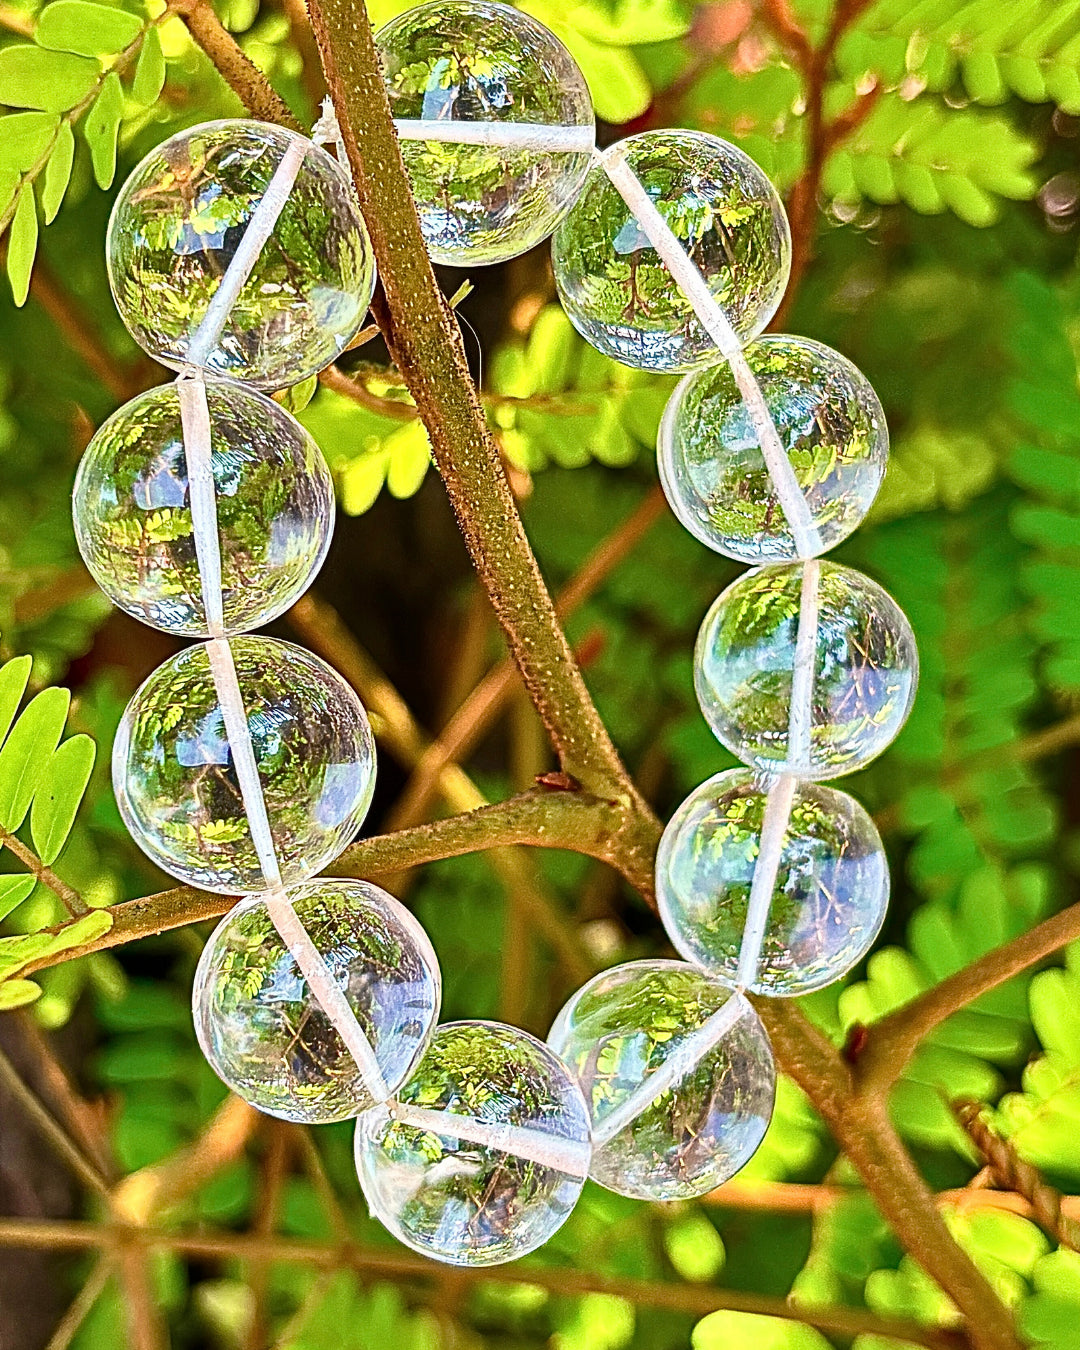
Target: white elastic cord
547	1150
202	499
688	278
259	229
686	1055
202	494
801	708
501	135
774	823
327	992
781	794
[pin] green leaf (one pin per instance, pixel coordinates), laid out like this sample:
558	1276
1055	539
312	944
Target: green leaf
13	677
27	752
149	70
59	794
410	455
86	29
24	138
18	993
14	888
101	127
296	398
362	481
58	172
22	244
31	77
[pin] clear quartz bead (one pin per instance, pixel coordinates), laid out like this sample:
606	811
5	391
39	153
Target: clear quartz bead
831	428
859	674
133	517
724	213
484	1153
175	778
828	898
510	122
265	1032
193	207
678	1074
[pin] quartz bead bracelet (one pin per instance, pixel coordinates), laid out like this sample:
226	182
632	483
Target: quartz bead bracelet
244	765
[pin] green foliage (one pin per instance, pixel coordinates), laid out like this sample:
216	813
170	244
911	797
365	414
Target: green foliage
44	778
73	67
969	334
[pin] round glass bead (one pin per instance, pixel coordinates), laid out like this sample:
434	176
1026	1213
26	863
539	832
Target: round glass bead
831	427
724	213
132	512
511	126
264	1031
176	783
828	900
484	1152
678	1074
181	219
861	657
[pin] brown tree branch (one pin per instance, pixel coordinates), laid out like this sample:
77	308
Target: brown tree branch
695	1299
543	818
893	1041
425	344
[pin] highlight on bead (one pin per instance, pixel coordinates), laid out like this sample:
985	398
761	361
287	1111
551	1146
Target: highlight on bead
495	122
482	1154
806	668
258	1016
827	887
176	775
676	250
678	1074
238	247
715	469
135	523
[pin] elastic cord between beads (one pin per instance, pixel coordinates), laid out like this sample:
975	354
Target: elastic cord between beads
570	1156
196	428
710	314
781	793
675	1067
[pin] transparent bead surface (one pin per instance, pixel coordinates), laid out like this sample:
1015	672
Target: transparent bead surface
726	215
829	899
178	222
863	660
266	1034
679	1077
427	1172
483	65
831	426
176	783
132	512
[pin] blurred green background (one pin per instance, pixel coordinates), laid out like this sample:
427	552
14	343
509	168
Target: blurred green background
942	225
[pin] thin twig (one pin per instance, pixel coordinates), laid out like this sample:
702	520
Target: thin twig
694	1299
1010	1171
68	896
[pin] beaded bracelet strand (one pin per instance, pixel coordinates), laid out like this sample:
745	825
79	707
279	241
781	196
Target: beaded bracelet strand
245	766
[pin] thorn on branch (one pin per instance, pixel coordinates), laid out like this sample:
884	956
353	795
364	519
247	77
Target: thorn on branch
558	781
855	1044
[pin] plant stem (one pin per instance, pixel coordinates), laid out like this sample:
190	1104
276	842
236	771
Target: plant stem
695	1299
543	818
894	1040
425	344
